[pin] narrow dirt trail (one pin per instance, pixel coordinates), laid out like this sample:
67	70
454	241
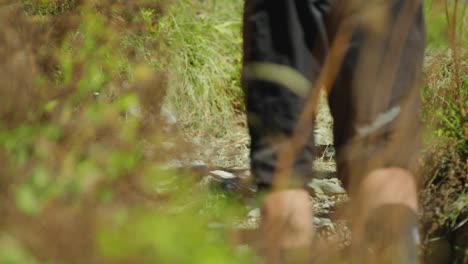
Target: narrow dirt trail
225	162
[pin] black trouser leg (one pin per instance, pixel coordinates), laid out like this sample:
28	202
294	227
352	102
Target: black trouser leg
280	40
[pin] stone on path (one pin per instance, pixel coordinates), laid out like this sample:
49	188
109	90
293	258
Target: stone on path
223	174
229	181
254	213
319	187
320	222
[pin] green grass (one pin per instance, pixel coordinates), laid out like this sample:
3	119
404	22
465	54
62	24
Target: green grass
48	7
444	195
203	44
437	23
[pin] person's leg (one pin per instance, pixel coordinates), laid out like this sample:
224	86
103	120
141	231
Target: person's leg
386	227
279	68
277	74
375	104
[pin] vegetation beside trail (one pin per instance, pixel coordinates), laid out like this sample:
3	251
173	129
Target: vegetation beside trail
83	174
202	40
444	190
81	139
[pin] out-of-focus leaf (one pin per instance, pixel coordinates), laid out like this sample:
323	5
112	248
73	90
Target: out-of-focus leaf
26	200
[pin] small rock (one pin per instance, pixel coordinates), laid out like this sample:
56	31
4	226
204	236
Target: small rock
326	187
254	213
226	180
323	223
223	174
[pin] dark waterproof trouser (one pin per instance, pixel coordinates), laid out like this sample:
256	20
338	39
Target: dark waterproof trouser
374	101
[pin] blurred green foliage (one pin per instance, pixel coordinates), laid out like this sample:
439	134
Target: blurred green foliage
80	183
438	17
436	23
48	7
445	196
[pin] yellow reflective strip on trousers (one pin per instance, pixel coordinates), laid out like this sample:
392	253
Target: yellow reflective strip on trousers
280	74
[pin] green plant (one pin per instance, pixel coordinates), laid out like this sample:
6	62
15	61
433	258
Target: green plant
445	194
81	179
48	7
203	42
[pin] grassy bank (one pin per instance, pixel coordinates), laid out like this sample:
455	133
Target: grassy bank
202	40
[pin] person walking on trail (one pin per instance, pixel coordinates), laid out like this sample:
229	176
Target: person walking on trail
375	104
